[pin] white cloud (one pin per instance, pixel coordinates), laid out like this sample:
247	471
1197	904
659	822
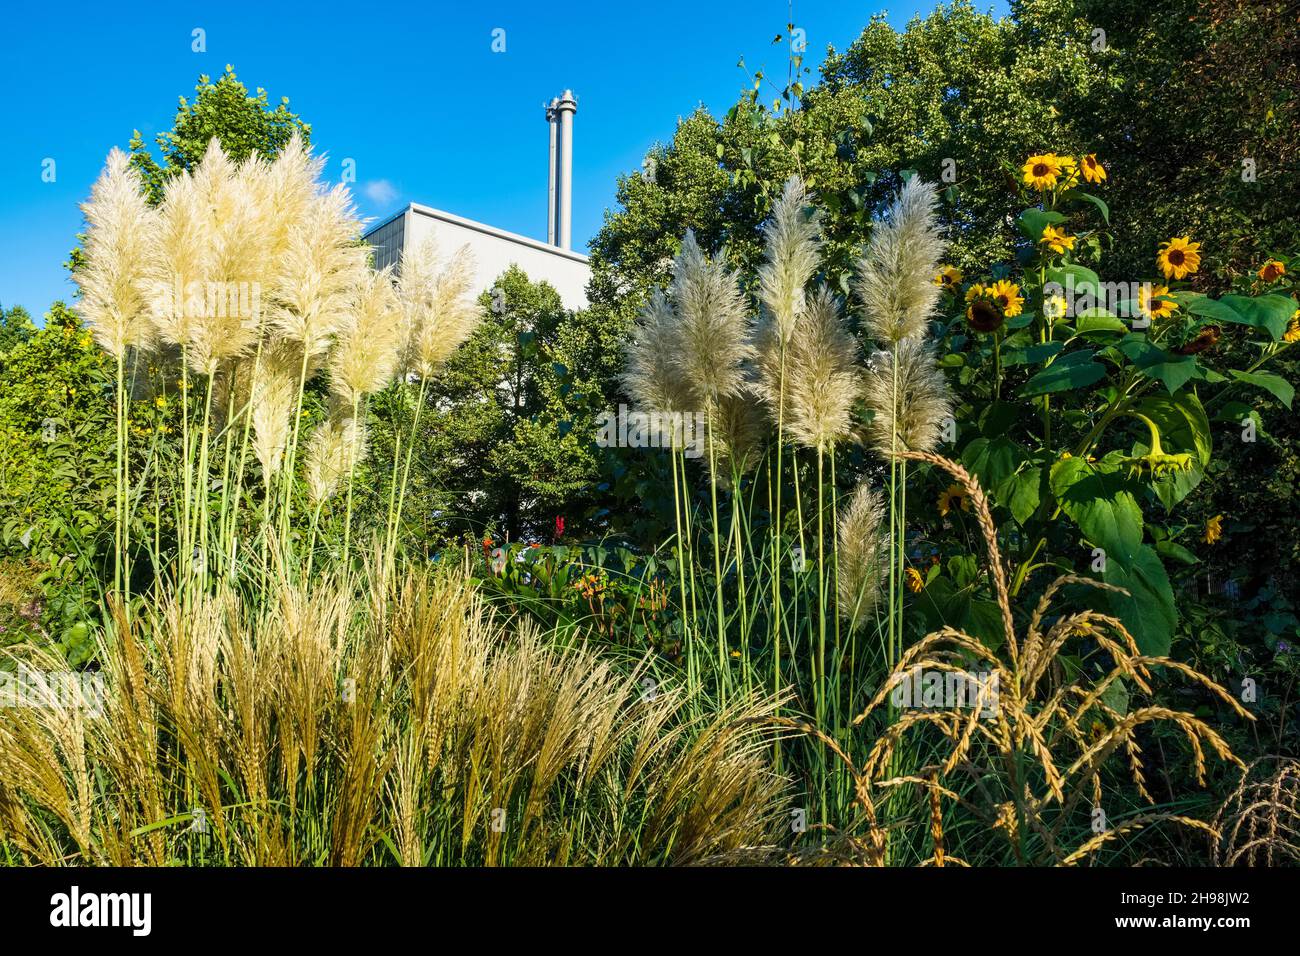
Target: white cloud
380	191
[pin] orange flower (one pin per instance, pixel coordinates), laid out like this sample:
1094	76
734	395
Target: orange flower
1272	270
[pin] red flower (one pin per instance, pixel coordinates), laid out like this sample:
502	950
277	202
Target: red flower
559	525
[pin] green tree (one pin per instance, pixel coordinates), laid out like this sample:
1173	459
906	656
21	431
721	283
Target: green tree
244	124
16	327
505	442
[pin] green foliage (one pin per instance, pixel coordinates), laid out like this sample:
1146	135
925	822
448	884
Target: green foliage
56	445
244	124
505	439
15	327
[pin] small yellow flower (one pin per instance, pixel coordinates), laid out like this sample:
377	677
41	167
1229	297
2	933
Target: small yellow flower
1007	295
976	291
915	583
160	401
954	495
1179	257
1055	307
1069	171
1272	270
1056	239
949	277
1093	171
1152	305
1042	170
1213	529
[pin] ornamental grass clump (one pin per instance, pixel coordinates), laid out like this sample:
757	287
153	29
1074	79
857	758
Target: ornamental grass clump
782	379
904	391
1029	760
350	723
252	274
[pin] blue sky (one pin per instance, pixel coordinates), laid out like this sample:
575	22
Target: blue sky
413	93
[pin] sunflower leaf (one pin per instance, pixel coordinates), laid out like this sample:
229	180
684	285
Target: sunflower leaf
1033	221
1072	371
1275	385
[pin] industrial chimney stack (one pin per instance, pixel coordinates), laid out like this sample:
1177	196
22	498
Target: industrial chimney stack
559	116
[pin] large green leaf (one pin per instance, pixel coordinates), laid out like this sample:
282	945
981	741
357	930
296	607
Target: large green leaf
1004	470
1174	371
1183	423
1076	370
1183	427
1276	385
1269	312
1032	355
1078	281
1148	610
1088	197
1023	492
1095	322
1197	303
1098	499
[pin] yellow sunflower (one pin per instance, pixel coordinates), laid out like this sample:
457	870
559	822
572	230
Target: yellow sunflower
1179	257
976	291
1272	270
1152	305
1056	239
1008	298
1213	529
949	277
915	582
954	497
1041	170
1293	328
1093	171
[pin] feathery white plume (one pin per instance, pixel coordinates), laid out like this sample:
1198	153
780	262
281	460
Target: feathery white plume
895	274
792	255
912	408
861	554
366	350
439	310
119	237
814	382
714	334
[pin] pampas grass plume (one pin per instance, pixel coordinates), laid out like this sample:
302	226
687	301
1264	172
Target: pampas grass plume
861	554
792	255
813	383
119	238
438	306
651	378
713	330
894	280
332	452
369	341
924	402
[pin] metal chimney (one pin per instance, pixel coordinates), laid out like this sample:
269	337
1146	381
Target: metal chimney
564	108
551	121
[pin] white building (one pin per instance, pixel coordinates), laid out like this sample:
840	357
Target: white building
495	250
